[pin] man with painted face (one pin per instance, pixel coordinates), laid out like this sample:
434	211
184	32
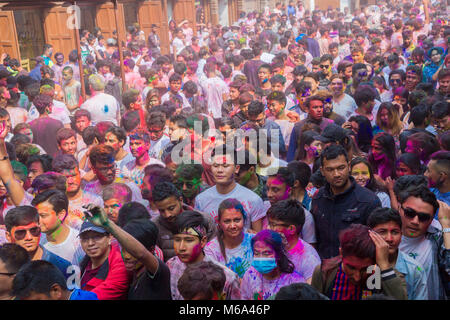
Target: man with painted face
167	199
287	217
71	88
224	169
413	77
326	62
388	224
114	197
67	165
116	137
52	206
340	202
189	241
327	98
360	74
102	162
58	67
365	96
343	104
22	225
314	104
426	244
346	276
189	182
139	147
438	174
440	113
137	239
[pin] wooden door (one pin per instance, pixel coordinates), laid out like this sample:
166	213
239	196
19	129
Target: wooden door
56	31
153	12
185	10
8	40
106	20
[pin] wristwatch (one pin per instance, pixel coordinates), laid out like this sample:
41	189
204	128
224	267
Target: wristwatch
446	230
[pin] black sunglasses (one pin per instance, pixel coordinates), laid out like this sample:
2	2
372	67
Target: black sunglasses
324	66
411	213
20	234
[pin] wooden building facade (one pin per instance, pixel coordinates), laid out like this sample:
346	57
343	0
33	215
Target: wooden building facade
27	25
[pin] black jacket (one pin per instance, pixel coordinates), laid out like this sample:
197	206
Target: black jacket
333	213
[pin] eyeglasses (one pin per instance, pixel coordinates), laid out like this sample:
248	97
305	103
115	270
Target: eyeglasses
411	214
7	273
323	66
21	234
362	74
395	80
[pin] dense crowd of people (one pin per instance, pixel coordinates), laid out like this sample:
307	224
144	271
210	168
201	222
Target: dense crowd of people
291	155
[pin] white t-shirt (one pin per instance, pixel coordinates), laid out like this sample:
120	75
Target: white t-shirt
345	107
59	112
209	200
157	147
213	89
70	249
103	107
131	172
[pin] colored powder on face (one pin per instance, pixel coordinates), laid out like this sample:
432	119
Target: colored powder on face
195	252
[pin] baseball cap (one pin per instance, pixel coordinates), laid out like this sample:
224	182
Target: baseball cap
332	133
88	226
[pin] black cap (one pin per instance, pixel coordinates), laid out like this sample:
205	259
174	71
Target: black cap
332	133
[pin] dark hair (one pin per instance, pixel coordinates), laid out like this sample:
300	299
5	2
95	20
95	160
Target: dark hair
144	231
229	203
132	211
301	172
285	175
101	154
42	102
299	291
21	216
442	159
305	138
204	277
163	190
255	108
355	241
129	96
13	256
383	215
365	134
332	152
416	69
274	240
56	198
190	219
44	159
440	109
428	144
39	277
130	120
49	180
422	192
412	161
289	211
64	134
119	132
419	114
387	143
364	94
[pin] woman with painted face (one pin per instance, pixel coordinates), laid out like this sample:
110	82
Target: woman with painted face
432	68
388	120
310	148
382	156
232	246
271	268
362	171
409	164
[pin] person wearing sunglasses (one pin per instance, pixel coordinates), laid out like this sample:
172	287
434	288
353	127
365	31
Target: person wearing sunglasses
428	245
387	223
12	258
326	62
23	229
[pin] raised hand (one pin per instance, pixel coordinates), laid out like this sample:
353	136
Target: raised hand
382	250
444	214
96	215
3	130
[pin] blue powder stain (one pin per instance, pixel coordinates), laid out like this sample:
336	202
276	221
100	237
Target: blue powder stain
105	109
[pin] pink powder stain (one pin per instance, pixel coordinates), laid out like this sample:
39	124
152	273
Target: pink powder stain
195	252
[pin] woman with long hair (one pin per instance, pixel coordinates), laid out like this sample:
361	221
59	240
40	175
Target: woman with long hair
172	28
309	148
408	164
400	101
232	246
362	171
388	120
382	156
271	268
